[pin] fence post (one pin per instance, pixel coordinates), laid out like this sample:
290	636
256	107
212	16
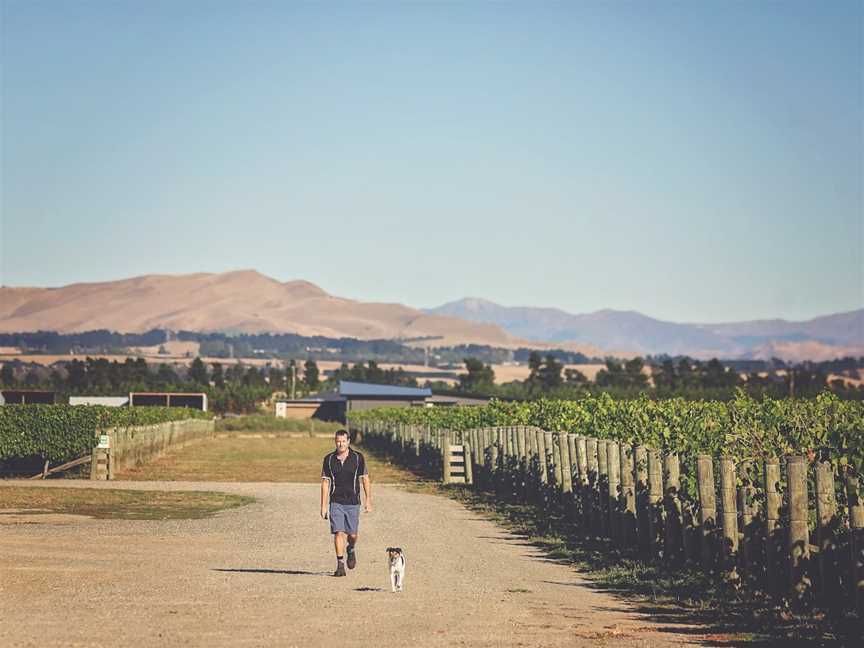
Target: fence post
541	456
746	511
643	506
673	538
469	469
826	529
707	508
603	486
856	543
576	486
582	483
628	497
524	462
566	470
799	535
773	504
730	517
655	502
592	492
553	470
613	465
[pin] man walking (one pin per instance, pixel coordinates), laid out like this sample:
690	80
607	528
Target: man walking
343	471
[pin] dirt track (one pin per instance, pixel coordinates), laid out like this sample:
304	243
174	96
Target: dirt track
260	576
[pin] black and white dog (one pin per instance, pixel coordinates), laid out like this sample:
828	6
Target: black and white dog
397	568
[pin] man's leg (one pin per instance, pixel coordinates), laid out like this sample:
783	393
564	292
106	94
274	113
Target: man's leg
352	557
339	542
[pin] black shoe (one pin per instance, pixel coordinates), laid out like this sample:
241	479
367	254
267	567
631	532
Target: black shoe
352	558
340	569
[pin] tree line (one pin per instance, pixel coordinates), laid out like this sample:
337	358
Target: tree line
686	378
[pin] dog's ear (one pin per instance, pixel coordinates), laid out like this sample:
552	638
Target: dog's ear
389	549
397	549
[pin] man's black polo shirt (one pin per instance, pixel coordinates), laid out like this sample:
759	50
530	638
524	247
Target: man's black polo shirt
344	477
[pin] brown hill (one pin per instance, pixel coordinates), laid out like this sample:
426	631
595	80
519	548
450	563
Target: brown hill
244	302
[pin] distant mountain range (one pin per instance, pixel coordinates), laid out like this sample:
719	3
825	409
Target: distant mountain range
628	331
246	301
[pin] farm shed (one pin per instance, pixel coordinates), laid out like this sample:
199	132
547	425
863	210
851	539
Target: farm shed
27	397
363	396
169	399
335	405
107	401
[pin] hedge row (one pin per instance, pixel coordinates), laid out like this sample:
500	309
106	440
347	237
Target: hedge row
743	428
65	432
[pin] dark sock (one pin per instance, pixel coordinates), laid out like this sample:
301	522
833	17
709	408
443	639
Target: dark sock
340	558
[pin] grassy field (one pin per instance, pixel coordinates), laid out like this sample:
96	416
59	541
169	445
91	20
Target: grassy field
269	423
255	458
116	504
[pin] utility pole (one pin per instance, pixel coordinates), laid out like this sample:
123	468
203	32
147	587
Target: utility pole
293	379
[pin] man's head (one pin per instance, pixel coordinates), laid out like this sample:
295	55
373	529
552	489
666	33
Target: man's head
342	441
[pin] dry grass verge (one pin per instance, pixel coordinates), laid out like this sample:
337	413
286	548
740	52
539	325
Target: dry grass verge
248	458
116	504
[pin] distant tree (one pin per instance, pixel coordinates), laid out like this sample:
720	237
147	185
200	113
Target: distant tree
575	377
479	377
535	362
633	369
218	376
166	375
276	378
549	374
198	372
235	373
7	375
311	375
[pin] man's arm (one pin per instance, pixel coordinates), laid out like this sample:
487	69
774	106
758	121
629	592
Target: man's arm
325	495
367	491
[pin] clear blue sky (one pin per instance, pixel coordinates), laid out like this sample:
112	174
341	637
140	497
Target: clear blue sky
695	161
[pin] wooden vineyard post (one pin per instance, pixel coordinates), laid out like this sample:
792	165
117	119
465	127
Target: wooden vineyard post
673	536
566	470
643	507
799	535
592	505
773	503
729	548
707	508
856	544
532	467
553	470
628	497
493	458
613	465
584	494
826	529
655	502
573	462
524	463
603	487
469	469
541	457
746	512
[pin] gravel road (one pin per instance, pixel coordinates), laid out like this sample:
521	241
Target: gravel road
261	576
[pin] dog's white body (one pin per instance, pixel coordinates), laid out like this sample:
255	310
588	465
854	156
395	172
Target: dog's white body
397	570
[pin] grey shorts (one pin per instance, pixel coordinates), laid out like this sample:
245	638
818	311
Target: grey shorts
344	518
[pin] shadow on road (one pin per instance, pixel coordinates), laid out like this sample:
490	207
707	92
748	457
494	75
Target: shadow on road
288	572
